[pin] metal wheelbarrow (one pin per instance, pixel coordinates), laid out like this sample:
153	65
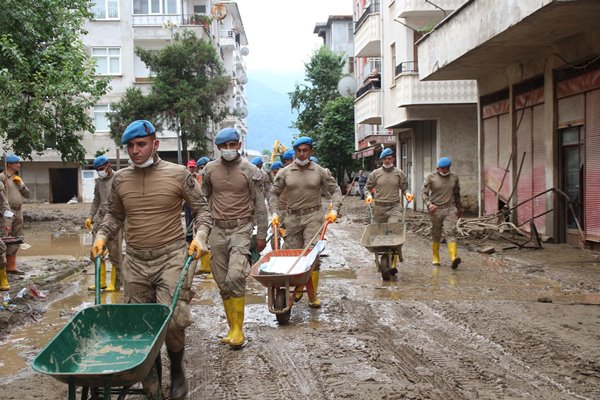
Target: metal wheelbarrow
110	345
281	288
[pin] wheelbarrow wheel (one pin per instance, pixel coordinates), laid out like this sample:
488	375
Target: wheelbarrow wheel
384	265
280	303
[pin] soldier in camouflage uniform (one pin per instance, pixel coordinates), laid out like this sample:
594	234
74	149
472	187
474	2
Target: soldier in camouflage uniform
441	195
146	197
6	216
234	191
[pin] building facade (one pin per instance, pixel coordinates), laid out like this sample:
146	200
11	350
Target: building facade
338	36
421	121
538	80
117	29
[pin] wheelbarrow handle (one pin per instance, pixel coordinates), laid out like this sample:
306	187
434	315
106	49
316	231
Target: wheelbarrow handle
97	263
182	276
275	236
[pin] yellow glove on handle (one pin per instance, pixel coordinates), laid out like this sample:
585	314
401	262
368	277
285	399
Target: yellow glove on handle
409	197
275	220
98	247
88	223
198	248
331	216
369	199
17	179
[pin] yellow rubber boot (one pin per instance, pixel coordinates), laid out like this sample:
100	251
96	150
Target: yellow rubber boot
453	252
315	281
205	263
435	249
102	277
237	321
115	285
4	285
228	314
299	293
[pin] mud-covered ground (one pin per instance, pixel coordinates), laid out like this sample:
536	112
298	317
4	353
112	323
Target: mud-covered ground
517	324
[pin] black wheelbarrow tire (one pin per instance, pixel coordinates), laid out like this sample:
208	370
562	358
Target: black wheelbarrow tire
280	303
384	265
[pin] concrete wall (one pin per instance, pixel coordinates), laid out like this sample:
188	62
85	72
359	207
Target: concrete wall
37	178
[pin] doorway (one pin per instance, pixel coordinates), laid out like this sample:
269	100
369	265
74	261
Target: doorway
571	178
63	184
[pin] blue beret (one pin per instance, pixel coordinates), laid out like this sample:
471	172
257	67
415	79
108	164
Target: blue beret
12	158
138	129
288	155
227	135
444	162
100	161
314	159
303	140
276	165
385	153
202	161
257	161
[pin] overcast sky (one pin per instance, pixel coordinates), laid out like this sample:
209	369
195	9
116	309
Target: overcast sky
280	32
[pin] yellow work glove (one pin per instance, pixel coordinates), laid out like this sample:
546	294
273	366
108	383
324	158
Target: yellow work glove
409	197
369	199
17	179
198	247
275	220
331	216
88	223
98	247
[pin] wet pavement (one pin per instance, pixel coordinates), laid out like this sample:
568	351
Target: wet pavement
514	324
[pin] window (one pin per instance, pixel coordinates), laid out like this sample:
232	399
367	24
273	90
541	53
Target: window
106	9
108	60
155	7
101	122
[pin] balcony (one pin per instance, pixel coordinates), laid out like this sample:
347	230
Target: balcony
164	26
411	91
420	8
367	35
367	108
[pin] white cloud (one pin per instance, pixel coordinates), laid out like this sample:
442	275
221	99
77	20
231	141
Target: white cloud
280	32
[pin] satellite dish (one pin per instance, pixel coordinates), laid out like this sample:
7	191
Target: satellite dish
347	86
243	79
244	51
242	112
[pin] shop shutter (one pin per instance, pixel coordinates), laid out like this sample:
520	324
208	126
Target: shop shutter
592	165
504	152
539	167
525	182
490	164
570	110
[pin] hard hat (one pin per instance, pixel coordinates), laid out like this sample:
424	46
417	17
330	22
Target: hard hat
191	163
138	129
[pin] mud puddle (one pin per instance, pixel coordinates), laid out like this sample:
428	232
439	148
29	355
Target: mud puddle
46	243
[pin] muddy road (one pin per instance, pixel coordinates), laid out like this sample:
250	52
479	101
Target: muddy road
511	325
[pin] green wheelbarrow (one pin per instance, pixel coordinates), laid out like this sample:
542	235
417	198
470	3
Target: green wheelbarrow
110	346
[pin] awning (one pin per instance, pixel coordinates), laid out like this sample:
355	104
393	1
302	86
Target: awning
367	152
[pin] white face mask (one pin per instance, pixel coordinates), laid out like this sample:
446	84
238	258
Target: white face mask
444	173
229	155
388	166
302	162
103	173
148	162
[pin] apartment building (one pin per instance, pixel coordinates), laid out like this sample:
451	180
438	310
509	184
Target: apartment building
118	27
421	121
338	35
538	78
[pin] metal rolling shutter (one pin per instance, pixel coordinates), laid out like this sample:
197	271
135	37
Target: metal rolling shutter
539	167
490	162
592	165
525	182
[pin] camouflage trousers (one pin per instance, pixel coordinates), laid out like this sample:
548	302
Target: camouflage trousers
443	220
2	254
387	213
230	258
151	276
299	229
17	230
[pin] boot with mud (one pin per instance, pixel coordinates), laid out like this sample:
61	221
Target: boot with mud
115	281
228	314
452	251
11	266
237	322
315	303
4	285
435	249
102	277
179	384
298	293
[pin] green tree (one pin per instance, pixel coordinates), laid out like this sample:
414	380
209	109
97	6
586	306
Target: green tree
323	72
189	90
336	137
47	83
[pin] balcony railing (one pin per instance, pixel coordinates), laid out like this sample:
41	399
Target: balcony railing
407	66
168	20
372	85
374	7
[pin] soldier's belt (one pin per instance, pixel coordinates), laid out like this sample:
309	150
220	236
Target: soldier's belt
149	254
387	203
447	205
303	211
231	223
